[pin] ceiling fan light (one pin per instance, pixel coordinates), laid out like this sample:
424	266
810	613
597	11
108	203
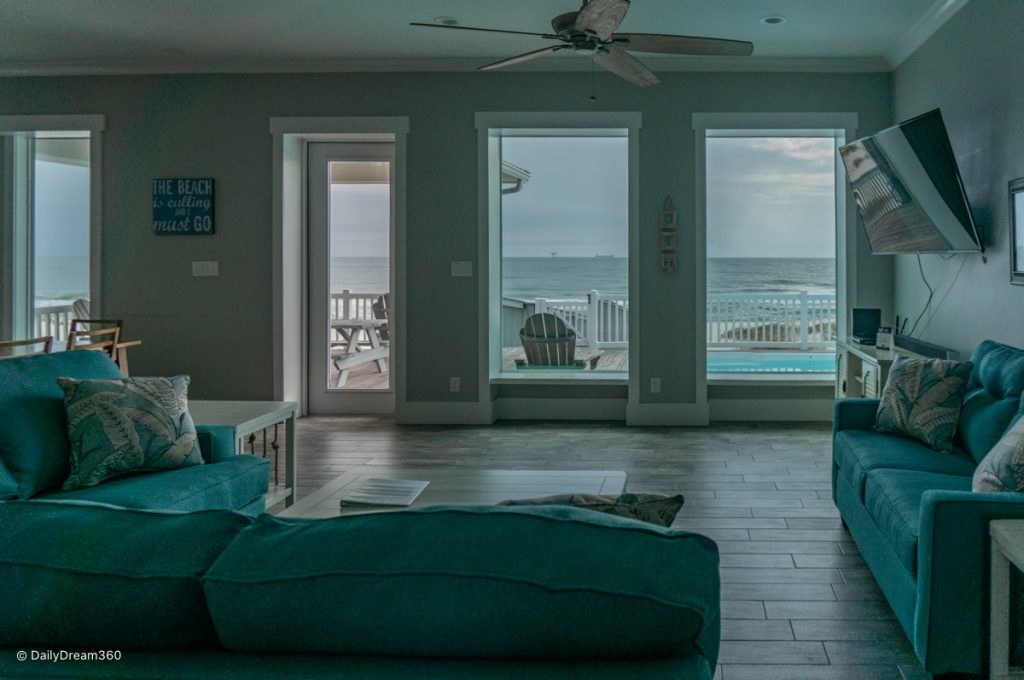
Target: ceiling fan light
774	20
446	21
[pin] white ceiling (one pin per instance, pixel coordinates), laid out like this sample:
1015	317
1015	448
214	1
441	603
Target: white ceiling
167	36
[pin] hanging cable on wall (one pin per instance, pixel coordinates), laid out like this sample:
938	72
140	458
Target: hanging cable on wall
931	294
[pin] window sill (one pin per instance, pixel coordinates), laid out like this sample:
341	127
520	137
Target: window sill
560	378
772	379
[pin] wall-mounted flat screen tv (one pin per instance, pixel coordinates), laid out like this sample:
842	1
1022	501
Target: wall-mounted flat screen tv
908	189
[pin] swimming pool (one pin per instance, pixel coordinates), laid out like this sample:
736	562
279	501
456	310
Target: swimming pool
771	362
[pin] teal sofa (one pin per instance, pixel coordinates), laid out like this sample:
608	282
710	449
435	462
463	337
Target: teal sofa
443	592
34	447
915	520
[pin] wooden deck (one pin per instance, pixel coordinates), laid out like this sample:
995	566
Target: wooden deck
364	377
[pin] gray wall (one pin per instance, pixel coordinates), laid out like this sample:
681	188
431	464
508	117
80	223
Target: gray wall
219	329
972	69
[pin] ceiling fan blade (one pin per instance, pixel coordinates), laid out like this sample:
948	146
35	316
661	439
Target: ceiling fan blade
601	17
487	30
684	44
625	65
523	57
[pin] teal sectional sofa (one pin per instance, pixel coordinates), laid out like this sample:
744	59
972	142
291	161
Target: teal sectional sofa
34	447
915	520
442	592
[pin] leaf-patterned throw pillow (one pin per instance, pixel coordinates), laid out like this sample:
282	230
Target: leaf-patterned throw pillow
1002	468
646	507
128	425
922	399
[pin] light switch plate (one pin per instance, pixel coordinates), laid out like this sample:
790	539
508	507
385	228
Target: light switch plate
462	268
206	268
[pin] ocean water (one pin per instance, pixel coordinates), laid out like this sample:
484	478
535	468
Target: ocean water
61	280
67	278
573	277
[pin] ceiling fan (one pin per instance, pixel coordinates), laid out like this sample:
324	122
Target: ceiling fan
591	31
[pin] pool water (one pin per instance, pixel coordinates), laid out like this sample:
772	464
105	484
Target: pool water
771	362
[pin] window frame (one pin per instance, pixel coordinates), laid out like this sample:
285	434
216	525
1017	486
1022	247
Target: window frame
491	126
841	127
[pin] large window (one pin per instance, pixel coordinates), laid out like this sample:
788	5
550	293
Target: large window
47	232
771	252
564	243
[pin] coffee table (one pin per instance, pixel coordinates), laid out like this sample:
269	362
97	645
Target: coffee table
460	487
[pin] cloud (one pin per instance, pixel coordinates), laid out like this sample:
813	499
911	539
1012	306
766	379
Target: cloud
814	149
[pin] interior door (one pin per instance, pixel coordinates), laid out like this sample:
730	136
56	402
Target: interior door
350	338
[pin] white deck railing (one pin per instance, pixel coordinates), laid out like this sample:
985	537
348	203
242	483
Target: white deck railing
601	320
742	320
798	320
349	305
53	320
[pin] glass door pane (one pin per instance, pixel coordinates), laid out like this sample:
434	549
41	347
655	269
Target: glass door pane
359	217
60	228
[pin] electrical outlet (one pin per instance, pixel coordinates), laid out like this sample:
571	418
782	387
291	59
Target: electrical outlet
206	268
454	384
655	385
462	269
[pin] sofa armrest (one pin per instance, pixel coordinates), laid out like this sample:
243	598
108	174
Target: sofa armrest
853	413
952	617
216	442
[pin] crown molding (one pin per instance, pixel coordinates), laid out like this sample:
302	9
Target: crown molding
925	27
459	64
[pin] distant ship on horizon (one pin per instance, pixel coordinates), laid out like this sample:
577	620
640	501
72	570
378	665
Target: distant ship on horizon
603	257
554	253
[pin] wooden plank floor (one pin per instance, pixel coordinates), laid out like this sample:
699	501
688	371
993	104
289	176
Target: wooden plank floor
797	599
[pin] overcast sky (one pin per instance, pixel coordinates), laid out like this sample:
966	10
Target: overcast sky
360	220
575	203
771	197
61	210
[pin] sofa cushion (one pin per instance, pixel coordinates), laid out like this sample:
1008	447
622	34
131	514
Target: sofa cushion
228	485
857	452
487	582
94	577
1003	468
993	397
33	431
922	399
127	425
893	499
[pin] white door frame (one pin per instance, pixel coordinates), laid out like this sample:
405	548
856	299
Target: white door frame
841	125
290	306
14	320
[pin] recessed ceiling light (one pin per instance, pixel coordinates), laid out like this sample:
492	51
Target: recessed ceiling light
774	20
446	21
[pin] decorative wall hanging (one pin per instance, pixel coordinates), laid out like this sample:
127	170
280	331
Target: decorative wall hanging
183	206
667	240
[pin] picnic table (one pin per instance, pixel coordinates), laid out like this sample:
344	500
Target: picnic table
360	344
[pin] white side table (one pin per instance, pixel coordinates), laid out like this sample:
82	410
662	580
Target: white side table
249	417
1007	547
